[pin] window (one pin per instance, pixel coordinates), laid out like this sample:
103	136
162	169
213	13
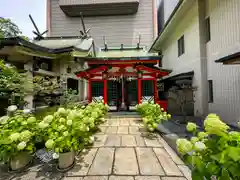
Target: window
72	84
181	48
208	30
210	91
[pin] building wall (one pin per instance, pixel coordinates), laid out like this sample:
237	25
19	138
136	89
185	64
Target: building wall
190	60
225	39
117	29
62	72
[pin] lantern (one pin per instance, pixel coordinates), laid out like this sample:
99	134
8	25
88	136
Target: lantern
104	75
140	74
69	70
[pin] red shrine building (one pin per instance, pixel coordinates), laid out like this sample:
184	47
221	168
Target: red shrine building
124	77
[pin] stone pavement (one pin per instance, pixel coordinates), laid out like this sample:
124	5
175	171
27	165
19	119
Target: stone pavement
122	151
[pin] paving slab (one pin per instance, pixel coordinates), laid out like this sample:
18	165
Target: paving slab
100	140
121	178
96	178
102	164
135	122
122	130
102	129
83	163
124	122
128	140
170	168
140	141
125	162
113	122
148	162
134	130
147	178
112	130
73	178
152	142
113	141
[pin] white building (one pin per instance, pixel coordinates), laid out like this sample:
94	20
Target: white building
198	33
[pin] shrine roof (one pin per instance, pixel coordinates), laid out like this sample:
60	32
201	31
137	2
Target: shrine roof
61	43
123	53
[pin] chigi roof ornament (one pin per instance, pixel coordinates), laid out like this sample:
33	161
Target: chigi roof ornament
84	33
39	35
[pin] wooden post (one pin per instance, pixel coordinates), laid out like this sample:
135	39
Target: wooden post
155	90
139	90
105	91
89	90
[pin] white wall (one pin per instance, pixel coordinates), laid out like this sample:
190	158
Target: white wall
225	40
190	60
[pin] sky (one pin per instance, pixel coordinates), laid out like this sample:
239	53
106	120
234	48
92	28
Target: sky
18	11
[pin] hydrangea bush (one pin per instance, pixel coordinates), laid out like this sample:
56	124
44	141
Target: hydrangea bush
71	129
61	131
152	115
17	133
214	153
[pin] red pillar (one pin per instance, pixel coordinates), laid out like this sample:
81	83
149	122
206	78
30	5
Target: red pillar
105	91
155	90
139	90
89	90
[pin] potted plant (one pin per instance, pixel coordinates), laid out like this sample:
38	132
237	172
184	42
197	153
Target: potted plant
17	138
153	115
213	153
62	132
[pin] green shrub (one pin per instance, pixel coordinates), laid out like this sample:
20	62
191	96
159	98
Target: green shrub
152	115
214	153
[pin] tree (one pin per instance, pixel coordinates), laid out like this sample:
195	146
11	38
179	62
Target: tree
8	28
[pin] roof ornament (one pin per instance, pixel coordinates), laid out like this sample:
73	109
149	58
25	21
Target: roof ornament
84	34
121	47
139	40
105	44
39	35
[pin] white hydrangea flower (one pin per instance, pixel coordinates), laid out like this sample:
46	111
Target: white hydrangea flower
48	118
200	146
65	133
69	122
43	125
61	111
55	155
12	108
4	119
91	139
84	150
27	111
14	137
24	123
21	145
49	144
62	120
31	120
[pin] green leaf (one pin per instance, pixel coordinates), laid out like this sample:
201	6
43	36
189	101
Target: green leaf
196	175
234	153
212	168
224	175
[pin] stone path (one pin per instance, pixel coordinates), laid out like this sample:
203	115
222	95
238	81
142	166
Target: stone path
122	151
